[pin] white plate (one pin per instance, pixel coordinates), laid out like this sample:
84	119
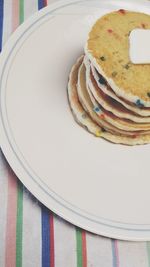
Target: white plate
99	186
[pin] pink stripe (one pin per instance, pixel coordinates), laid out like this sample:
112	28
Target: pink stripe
10	251
15	14
84	250
116	253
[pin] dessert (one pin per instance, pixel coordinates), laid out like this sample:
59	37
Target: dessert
108	94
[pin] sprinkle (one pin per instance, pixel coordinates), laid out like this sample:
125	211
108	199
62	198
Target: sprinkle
110	30
96	109
139	103
129	33
103	130
102	58
98	133
148	94
143	25
115	52
122	11
102	81
126	66
84	115
114	73
102	116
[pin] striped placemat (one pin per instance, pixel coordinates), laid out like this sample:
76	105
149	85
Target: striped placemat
30	234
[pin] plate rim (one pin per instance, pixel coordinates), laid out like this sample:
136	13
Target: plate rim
23	175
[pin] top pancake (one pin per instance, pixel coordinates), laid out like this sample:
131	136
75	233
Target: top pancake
108	49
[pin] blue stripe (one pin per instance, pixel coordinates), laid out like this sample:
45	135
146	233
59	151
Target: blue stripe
114	259
1	22
45	237
41	4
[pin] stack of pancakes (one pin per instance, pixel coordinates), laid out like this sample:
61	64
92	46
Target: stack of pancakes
109	95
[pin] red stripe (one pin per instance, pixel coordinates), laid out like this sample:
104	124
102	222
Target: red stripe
52	254
84	249
10	254
45	2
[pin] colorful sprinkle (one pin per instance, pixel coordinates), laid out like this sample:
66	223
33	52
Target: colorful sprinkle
102	116
102	81
126	66
129	33
115	52
98	133
143	25
102	58
103	130
139	103
148	94
114	74
122	11
110	30
97	109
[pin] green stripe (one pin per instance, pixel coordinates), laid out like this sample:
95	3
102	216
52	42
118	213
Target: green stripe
19	223
148	252
79	247
21	11
19	227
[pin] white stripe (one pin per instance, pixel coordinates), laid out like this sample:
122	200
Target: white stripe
30	7
98	251
3	211
132	254
31	232
65	244
7	21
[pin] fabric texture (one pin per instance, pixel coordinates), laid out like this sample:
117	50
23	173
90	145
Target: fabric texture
30	234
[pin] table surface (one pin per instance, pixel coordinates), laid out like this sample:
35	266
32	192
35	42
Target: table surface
30	234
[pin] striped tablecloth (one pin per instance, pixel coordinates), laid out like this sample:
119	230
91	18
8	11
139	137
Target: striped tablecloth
30	234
